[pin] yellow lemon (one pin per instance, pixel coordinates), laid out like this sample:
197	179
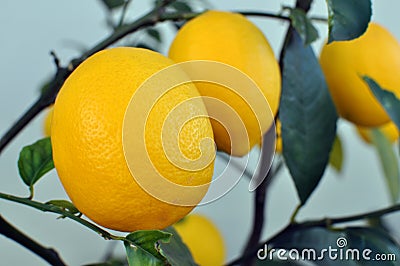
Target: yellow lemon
47	122
375	54
203	239
389	130
232	39
87	128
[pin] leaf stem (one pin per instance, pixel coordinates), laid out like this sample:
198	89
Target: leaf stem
294	214
48	254
123	13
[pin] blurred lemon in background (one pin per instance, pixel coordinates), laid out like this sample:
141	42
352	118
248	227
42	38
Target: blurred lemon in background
203	239
375	54
232	39
389	130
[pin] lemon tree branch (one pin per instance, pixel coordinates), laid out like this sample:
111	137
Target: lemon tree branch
48	97
64	213
276	16
259	204
325	222
48	254
151	18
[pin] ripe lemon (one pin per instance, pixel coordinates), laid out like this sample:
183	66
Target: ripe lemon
389	130
88	153
47	121
203	239
375	54
232	39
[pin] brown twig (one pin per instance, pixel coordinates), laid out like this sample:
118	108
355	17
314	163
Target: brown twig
326	222
266	172
48	97
48	254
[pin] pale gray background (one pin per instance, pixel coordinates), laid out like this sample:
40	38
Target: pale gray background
30	29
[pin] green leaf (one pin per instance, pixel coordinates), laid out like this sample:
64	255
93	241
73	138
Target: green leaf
65	205
155	34
342	240
388	100
181	6
348	19
154	247
145	247
176	251
389	162
336	156
303	25
308	116
112	4
35	160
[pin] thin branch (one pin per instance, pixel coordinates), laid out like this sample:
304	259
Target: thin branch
48	254
258	219
46	98
62	74
153	17
263	14
319	19
31	113
326	222
55	209
304	4
362	216
268	173
123	13
276	16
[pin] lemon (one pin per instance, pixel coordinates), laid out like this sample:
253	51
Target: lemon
87	142
375	54
389	130
47	121
203	239
232	39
